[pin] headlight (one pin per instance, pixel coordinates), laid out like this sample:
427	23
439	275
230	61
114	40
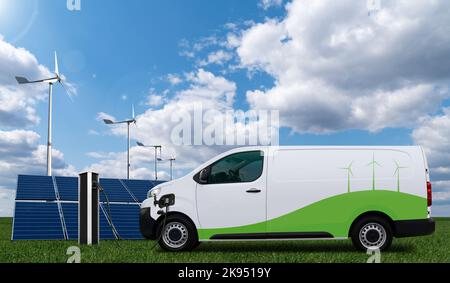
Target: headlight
153	193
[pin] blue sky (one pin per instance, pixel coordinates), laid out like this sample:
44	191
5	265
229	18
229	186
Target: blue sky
365	79
127	47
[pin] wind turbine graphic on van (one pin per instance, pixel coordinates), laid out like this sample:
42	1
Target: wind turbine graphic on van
397	172
349	174
373	163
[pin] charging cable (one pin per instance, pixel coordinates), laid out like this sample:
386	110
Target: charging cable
162	228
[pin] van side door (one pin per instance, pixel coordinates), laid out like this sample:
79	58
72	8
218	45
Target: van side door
233	200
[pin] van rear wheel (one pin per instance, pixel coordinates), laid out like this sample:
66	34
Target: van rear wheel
178	234
372	233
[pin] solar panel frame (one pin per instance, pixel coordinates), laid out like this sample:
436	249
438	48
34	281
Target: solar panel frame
107	230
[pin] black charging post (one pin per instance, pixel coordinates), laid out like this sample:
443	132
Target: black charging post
88	209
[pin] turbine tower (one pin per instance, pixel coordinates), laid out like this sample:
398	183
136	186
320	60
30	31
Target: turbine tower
349	174
128	122
373	163
171	160
397	172
56	79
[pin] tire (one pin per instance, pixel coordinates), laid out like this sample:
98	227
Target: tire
178	234
372	232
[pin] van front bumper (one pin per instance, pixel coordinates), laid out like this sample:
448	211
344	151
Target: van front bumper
147	224
412	228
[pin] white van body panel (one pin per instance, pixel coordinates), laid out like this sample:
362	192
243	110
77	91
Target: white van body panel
300	176
230	205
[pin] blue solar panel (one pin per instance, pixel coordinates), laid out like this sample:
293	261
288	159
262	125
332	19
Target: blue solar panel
41	220
35	188
115	191
139	188
70	211
67	188
37	221
126	220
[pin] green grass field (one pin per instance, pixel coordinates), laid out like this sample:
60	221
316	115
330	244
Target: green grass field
435	248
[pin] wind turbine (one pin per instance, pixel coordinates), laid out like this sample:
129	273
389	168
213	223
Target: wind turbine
128	122
56	79
373	163
397	172
349	174
156	147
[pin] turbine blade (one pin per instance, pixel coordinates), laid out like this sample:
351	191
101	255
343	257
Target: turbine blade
132	110
56	65
66	90
396	171
22	80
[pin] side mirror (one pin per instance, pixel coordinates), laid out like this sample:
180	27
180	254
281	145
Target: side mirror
203	176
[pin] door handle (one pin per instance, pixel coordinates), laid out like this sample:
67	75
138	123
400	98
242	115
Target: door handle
253	191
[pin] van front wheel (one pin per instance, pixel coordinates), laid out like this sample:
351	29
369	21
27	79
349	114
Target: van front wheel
178	234
372	233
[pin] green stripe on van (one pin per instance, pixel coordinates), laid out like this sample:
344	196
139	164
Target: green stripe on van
335	215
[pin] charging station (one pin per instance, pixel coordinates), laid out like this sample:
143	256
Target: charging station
88	209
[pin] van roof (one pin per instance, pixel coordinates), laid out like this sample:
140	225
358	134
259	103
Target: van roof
368	147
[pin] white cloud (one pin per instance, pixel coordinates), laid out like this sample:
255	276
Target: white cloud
433	134
154	99
233	40
7	202
18	102
21	153
104	116
174	79
441	210
266	4
219	57
336	68
93	132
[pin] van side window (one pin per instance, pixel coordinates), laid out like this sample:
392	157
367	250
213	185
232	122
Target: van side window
240	167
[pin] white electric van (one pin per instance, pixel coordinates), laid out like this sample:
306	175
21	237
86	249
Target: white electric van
368	194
